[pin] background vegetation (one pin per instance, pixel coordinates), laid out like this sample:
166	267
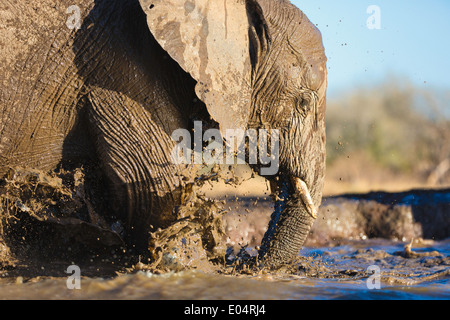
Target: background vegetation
390	136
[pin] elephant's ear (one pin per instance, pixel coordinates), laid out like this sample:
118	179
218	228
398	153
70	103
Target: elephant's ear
210	40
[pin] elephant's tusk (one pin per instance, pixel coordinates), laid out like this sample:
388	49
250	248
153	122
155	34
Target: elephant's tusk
302	189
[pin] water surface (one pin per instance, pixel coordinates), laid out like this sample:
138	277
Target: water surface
340	272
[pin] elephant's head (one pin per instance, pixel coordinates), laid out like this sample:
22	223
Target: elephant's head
258	64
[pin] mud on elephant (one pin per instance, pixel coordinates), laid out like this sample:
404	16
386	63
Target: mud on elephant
113	91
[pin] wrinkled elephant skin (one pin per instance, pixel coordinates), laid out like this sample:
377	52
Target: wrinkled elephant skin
113	91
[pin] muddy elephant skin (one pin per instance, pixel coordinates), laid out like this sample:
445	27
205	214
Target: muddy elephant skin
112	89
103	93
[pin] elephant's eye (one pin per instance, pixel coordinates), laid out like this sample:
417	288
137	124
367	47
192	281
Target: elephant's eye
302	105
307	102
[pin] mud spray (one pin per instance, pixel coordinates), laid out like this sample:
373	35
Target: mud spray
48	217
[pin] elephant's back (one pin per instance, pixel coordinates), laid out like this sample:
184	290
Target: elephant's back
32	32
39	87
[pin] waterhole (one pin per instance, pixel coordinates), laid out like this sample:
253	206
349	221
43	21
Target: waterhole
210	251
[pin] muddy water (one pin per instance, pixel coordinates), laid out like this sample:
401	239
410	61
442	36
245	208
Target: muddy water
339	272
54	211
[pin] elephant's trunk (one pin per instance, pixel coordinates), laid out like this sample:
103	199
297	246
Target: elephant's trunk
290	223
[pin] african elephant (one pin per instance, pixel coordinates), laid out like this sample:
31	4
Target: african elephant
113	90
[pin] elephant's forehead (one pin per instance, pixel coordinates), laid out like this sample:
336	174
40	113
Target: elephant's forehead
306	40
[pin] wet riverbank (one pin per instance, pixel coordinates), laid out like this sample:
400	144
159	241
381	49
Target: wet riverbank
400	216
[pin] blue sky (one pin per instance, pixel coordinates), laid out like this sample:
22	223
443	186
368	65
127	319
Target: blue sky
413	42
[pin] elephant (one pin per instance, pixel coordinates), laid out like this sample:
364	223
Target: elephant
108	82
